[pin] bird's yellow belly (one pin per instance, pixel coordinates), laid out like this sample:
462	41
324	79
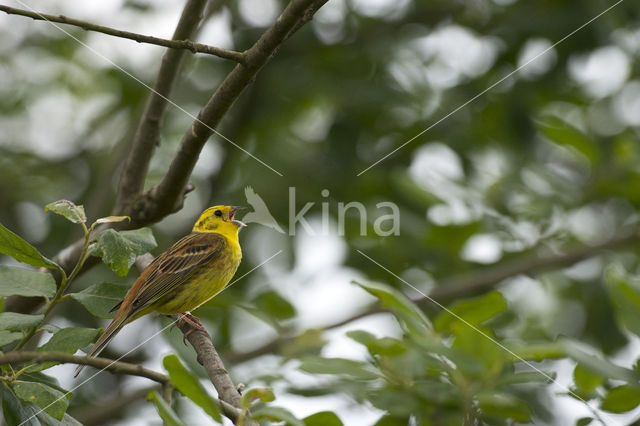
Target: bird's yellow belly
202	287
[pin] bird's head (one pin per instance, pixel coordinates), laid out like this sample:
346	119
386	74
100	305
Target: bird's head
219	219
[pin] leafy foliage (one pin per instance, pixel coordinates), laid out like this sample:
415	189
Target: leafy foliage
166	412
70	340
274	305
190	387
493	175
68	210
14	246
276	414
323	418
14	321
24	282
31	396
621	398
99	299
120	249
51	400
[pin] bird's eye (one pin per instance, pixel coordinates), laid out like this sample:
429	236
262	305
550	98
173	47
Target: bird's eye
218	213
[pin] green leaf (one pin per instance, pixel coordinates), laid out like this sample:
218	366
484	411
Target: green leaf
473	311
51	400
119	249
14	246
625	295
621	399
584	421
69	340
599	365
68	209
276	414
504	406
337	366
310	342
562	133
323	418
47	420
480	347
257	394
7	337
40	377
387	346
389	420
539	351
275	305
414	320
470	362
167	414
15	412
191	387
527	377
400	403
25	282
14	321
100	298
585	380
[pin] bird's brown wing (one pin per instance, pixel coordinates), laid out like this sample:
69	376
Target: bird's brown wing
175	266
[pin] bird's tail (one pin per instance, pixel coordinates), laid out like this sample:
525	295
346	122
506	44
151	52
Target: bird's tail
116	325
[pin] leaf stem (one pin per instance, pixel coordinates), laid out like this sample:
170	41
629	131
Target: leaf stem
64	285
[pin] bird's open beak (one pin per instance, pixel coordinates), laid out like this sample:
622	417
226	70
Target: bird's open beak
232	213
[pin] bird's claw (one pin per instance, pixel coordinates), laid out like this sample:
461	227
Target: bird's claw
194	324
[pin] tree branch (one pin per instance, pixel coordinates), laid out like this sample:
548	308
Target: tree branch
183	44
147	136
465	285
164	198
208	357
484	279
144	142
100	363
119	367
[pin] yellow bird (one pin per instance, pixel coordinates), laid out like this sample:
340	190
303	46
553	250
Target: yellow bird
184	276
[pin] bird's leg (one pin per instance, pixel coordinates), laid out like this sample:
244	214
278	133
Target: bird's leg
193	322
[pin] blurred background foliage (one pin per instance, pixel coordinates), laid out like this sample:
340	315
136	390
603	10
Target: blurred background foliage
546	159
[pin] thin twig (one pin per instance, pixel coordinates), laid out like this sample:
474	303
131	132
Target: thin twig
118	367
140	38
147	136
484	279
97	362
163	198
65	281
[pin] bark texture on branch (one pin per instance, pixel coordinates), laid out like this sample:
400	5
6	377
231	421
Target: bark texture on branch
147	136
181	43
142	147
208	357
168	194
97	362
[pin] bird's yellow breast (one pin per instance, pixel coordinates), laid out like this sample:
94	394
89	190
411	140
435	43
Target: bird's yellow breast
210	280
